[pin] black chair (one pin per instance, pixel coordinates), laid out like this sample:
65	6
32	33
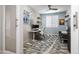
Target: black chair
63	37
39	36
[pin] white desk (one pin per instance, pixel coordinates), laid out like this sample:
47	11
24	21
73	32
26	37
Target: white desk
34	31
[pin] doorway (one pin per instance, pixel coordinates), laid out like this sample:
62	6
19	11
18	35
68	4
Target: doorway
54	34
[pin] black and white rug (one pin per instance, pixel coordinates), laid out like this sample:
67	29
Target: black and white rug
40	47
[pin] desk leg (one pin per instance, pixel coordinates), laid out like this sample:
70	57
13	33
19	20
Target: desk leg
33	36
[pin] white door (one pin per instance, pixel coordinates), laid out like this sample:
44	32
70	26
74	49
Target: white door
10	28
1	20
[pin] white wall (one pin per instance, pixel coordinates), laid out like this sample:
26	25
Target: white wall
35	14
29	9
74	33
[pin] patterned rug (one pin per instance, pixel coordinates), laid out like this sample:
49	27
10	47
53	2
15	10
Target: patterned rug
59	48
40	46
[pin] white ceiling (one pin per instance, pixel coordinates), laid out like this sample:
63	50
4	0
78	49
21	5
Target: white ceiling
40	8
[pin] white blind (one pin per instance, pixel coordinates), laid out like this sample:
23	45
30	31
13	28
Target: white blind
52	21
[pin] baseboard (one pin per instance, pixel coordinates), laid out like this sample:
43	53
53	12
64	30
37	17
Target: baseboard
8	52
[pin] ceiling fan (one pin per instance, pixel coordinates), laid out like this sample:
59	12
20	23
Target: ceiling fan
50	8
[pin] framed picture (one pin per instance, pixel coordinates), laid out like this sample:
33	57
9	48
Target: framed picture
26	17
61	21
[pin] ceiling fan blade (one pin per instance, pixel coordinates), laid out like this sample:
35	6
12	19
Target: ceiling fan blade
54	9
49	6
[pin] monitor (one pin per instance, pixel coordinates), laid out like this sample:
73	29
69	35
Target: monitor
35	26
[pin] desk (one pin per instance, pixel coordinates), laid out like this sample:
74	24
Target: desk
34	31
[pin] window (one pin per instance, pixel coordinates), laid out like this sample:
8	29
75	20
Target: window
51	21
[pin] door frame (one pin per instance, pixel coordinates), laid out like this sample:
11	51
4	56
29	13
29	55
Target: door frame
3	29
74	32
